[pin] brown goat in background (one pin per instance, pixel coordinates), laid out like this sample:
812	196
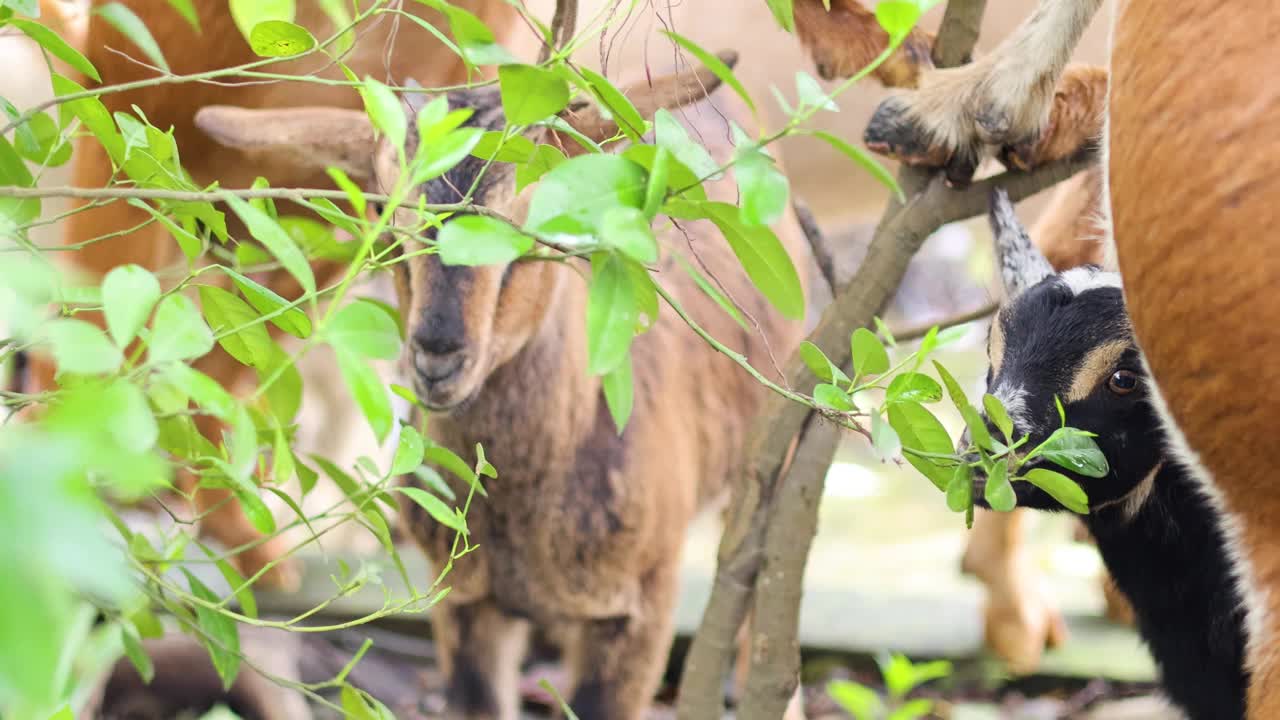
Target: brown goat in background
582	531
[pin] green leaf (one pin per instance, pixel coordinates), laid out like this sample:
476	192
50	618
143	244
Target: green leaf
783	13
481	240
92	113
132	422
897	17
293	321
14	172
178	332
627	229
217	632
572	198
474	38
386	111
960	489
629	120
435	507
437	156
1074	450
132	27
367	389
248	13
280	39
715	65
187	11
137	656
864	159
530	94
129	292
449	460
811	93
858	700
820	364
612	312
764	188
883	437
79	347
408	452
365	329
545	158
656	189
869	356
267	231
885	332
832	397
236	581
917	387
898	674
617	386
1061	488
514	149
958	398
49	40
998	415
919	430
675	176
999	493
763	257
38	139
250	345
671	135
912	710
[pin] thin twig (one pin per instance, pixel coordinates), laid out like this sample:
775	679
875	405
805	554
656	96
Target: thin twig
817	244
918	331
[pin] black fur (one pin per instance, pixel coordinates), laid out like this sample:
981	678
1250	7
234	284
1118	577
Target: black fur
1167	552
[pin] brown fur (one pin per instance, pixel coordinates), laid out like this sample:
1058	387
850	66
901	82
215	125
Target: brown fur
219	45
846	38
1194	175
582	532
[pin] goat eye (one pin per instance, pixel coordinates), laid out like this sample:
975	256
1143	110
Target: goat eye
376	207
1123	382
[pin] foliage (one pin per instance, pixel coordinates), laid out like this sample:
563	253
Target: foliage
122	425
900	676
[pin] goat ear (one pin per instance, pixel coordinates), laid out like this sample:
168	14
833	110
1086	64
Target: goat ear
668	91
304	137
1021	262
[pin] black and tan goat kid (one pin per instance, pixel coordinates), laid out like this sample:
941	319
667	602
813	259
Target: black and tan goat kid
582	532
1067	335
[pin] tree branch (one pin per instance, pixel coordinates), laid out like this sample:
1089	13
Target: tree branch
563	24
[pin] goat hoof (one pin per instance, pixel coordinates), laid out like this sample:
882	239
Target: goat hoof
284	576
993	125
1019	634
892	133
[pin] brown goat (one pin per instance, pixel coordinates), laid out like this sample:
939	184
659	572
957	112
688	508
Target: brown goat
1188	157
582	532
386	44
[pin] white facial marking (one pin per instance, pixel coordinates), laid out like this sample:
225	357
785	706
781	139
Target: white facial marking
1082	279
1014	399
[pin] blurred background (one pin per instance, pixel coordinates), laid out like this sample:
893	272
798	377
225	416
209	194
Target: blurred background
885	570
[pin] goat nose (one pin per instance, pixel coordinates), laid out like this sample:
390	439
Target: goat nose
438	344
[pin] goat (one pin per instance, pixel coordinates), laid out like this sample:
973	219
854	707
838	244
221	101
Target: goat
1186	158
408	50
1067	335
582	533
